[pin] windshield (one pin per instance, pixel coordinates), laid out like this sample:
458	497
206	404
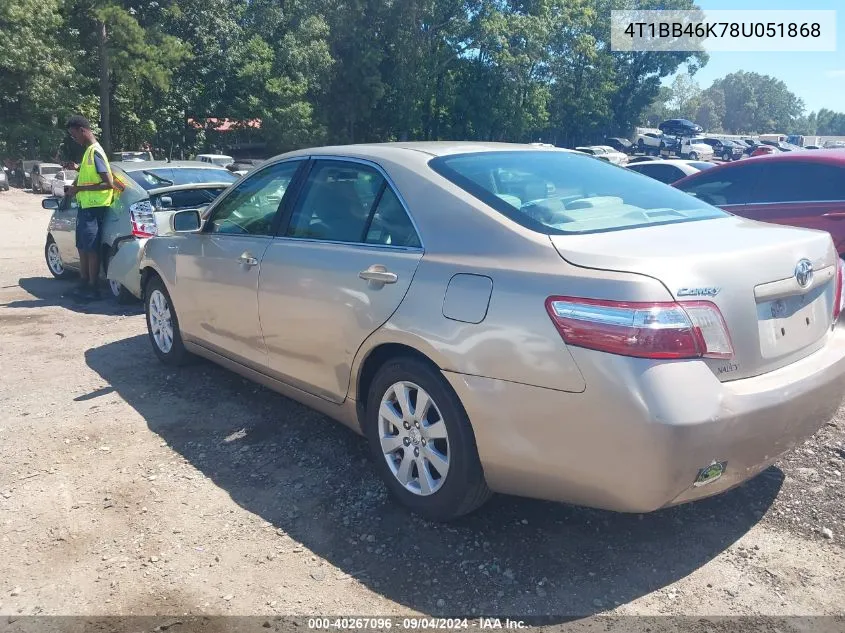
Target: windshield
222	160
562	192
48	171
701	165
166	176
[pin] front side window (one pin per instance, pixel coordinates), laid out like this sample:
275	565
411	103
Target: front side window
558	192
251	207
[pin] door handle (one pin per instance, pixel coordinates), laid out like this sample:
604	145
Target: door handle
247	260
834	215
378	274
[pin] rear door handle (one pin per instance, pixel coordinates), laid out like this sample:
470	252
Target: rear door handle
248	260
834	215
378	274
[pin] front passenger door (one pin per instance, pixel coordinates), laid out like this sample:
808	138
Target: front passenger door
217	270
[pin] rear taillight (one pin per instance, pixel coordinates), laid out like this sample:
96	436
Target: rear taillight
838	297
661	330
142	219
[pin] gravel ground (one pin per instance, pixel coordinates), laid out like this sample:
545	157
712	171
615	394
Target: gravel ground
130	489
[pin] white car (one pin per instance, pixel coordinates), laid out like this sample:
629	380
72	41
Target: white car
649	142
604	152
669	171
221	160
616	157
42	174
61	180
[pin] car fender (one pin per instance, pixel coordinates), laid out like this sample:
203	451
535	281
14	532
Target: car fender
157	257
125	265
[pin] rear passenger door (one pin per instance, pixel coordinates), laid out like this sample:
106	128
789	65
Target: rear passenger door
340	266
804	194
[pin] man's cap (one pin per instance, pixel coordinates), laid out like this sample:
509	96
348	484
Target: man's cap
77	120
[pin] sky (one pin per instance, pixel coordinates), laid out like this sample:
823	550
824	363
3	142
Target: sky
817	78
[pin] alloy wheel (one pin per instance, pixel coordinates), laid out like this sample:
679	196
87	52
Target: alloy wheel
414	438
161	321
54	259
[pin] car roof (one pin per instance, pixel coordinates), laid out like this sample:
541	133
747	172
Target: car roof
670	161
830	157
430	148
132	165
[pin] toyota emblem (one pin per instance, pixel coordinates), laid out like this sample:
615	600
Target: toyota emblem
804	273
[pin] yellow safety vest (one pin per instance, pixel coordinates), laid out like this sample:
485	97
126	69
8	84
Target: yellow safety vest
88	176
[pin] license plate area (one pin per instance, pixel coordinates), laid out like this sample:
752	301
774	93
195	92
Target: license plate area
791	323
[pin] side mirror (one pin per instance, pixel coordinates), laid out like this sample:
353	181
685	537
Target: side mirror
188	221
50	203
166	202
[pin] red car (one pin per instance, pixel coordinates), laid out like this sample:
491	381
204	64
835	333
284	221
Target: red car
764	150
800	188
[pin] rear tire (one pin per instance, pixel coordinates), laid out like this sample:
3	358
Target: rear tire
427	457
163	325
118	292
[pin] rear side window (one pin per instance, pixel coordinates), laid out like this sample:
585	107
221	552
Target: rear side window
724	186
801	182
345	201
560	193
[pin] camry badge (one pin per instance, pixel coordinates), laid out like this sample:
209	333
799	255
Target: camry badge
804	272
698	292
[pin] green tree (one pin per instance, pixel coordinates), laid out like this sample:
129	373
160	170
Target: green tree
757	103
38	87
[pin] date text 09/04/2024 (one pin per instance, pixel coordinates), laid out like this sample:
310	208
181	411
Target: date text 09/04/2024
421	624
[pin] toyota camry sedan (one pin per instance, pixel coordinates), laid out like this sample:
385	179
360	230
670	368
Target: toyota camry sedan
508	318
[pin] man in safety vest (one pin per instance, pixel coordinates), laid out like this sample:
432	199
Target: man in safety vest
94	189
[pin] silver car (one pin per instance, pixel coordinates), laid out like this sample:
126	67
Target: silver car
507	318
152	191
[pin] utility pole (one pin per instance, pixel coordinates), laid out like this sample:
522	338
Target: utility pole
105	134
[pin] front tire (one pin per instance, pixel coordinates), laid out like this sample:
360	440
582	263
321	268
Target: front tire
163	325
54	260
422	441
693	156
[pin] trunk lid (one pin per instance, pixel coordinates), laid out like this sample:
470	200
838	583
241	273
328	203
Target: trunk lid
751	266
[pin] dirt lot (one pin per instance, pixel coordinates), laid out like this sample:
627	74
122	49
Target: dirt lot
128	488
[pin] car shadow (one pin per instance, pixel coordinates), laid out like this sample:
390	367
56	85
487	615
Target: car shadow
47	291
314	480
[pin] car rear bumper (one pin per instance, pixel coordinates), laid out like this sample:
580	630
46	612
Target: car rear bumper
125	265
637	438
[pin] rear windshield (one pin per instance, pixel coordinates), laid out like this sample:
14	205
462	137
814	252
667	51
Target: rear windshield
166	176
702	165
560	193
